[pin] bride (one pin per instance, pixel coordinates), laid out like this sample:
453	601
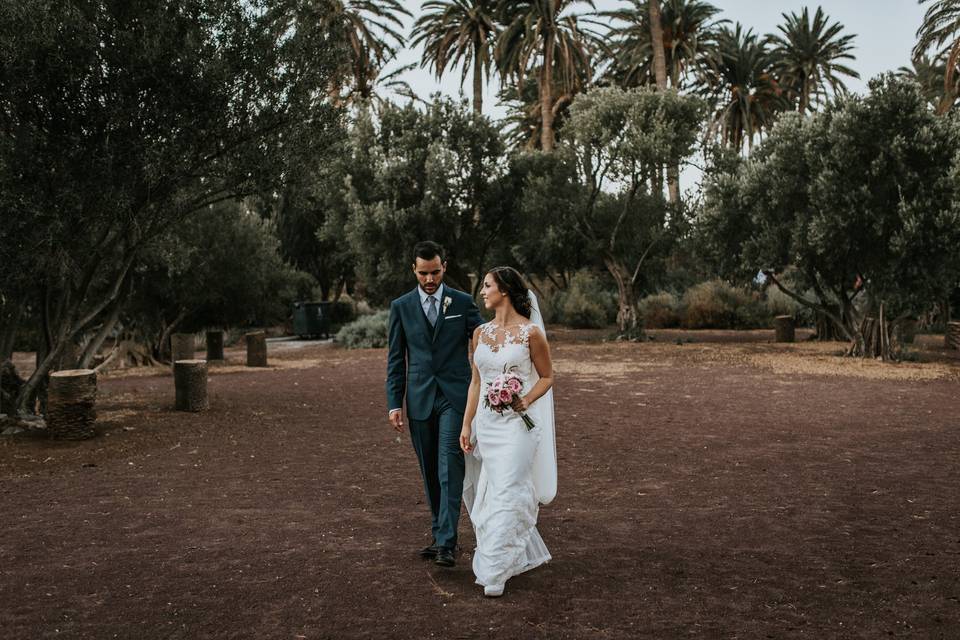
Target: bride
509	469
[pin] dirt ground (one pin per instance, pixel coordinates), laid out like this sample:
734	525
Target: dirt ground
722	487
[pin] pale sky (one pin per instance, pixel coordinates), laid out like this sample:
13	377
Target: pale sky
885	33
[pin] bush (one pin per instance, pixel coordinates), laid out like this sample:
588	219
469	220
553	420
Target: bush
660	311
550	306
717	305
585	304
367	332
780	304
342	312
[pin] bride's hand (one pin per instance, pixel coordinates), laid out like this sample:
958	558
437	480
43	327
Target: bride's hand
520	404
465	440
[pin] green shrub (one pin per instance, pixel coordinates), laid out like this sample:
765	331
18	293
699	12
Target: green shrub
366	332
585	304
717	305
551	306
780	304
660	311
342	312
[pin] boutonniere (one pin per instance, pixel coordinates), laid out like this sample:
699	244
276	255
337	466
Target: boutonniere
446	303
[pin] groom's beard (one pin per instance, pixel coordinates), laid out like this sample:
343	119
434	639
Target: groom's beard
431	288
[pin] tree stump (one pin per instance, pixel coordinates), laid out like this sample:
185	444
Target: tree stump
214	345
784	328
71	397
953	335
190	380
257	349
182	347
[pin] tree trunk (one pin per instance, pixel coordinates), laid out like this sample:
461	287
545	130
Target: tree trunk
949	81
10	384
673	183
93	347
656	40
660	70
827	330
182	347
477	83
546	95
629	322
162	345
10	315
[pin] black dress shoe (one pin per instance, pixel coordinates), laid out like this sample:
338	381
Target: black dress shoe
429	553
445	558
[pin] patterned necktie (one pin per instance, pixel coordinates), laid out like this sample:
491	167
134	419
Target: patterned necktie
432	311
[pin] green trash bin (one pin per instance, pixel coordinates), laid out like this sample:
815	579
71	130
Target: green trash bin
311	319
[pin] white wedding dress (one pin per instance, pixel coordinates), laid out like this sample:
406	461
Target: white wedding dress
500	491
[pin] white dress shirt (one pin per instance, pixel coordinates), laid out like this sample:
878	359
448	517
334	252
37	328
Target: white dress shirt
425	299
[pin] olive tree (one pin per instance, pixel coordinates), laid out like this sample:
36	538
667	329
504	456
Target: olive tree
860	202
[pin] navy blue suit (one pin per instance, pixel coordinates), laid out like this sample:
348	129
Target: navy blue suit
430	367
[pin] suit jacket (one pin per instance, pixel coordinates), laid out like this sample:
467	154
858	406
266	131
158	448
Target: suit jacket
422	359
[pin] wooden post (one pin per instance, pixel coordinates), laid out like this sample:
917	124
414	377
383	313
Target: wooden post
784	328
257	349
190	380
952	337
71	397
182	347
214	345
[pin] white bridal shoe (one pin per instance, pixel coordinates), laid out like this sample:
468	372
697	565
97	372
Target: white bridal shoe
493	590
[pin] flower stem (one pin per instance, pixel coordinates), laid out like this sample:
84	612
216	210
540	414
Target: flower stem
527	421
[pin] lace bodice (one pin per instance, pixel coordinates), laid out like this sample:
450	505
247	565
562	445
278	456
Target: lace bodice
500	349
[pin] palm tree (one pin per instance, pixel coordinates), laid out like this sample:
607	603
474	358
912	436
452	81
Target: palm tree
455	31
929	74
372	31
656	40
809	54
540	35
686	31
689	35
941	29
523	124
740	80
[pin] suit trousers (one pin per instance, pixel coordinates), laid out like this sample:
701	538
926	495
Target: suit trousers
437	443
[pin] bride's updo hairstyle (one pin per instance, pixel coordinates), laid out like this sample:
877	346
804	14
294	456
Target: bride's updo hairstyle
510	283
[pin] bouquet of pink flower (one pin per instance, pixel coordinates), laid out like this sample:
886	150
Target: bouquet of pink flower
502	392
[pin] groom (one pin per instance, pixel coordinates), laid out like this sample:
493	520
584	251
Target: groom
429	334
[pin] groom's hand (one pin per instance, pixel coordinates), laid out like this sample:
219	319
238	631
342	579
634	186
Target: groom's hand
396	420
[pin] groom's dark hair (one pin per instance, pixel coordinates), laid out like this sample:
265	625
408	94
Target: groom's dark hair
428	250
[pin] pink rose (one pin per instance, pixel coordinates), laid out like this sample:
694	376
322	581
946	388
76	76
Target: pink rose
506	396
494	398
514	385
497	384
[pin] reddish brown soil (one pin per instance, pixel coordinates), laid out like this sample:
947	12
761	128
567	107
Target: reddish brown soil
700	496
